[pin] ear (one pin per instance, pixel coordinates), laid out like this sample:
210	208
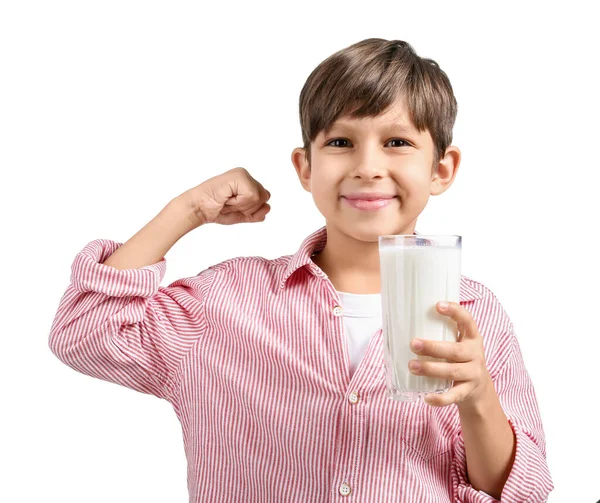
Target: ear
302	167
447	169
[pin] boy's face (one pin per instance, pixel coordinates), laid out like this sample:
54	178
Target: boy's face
382	154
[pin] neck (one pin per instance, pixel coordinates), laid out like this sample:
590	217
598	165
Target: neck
351	265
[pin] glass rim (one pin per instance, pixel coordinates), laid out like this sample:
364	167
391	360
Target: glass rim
417	236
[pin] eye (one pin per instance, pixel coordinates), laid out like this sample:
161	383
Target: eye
405	143
335	139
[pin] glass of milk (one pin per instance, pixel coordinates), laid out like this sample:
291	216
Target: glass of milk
417	272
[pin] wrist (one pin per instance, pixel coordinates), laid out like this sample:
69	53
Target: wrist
178	216
484	399
184	210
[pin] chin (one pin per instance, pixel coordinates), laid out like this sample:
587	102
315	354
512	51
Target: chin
370	232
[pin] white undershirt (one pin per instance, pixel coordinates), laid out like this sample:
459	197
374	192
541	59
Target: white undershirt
362	318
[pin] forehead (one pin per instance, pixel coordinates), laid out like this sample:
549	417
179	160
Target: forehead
395	117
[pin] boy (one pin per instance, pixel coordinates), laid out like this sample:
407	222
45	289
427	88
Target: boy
275	367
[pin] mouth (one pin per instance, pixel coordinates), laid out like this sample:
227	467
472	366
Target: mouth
369	204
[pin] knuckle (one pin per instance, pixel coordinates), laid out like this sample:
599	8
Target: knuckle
455	372
462	351
457	352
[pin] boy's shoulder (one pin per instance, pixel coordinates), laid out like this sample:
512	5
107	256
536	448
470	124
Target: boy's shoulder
475	290
234	263
278	270
484	295
251	269
485	302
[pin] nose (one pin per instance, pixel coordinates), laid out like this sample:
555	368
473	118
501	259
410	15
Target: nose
369	163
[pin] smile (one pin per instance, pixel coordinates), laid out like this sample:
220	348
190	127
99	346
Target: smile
365	205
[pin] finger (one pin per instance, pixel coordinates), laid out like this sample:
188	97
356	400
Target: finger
251	205
455	394
256	212
466	324
231	208
230	219
443	370
255	203
463	351
259	215
262	192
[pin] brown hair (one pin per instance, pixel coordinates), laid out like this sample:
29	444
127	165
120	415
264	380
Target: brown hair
364	79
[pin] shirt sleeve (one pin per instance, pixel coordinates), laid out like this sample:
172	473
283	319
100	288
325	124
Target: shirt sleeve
529	480
121	326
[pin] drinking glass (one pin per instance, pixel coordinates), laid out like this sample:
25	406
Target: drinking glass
417	271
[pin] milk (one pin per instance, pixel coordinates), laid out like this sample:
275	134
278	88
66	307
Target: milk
413	279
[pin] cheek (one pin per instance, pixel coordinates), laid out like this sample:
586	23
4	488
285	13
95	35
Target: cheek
414	194
412	185
325	192
324	186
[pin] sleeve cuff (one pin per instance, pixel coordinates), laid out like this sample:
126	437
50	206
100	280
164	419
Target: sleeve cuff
529	480
89	274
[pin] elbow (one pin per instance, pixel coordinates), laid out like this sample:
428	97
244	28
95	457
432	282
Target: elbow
58	345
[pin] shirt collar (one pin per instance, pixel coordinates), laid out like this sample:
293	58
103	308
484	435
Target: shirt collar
315	242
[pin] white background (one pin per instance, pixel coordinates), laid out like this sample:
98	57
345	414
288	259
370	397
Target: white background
110	109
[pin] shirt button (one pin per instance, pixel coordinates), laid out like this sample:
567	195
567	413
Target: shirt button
338	310
353	397
345	489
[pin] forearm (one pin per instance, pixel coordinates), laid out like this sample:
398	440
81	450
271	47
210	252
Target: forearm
151	243
489	443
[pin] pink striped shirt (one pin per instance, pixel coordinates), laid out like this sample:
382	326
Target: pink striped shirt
252	356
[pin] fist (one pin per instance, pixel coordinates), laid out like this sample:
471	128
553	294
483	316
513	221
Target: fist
230	198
